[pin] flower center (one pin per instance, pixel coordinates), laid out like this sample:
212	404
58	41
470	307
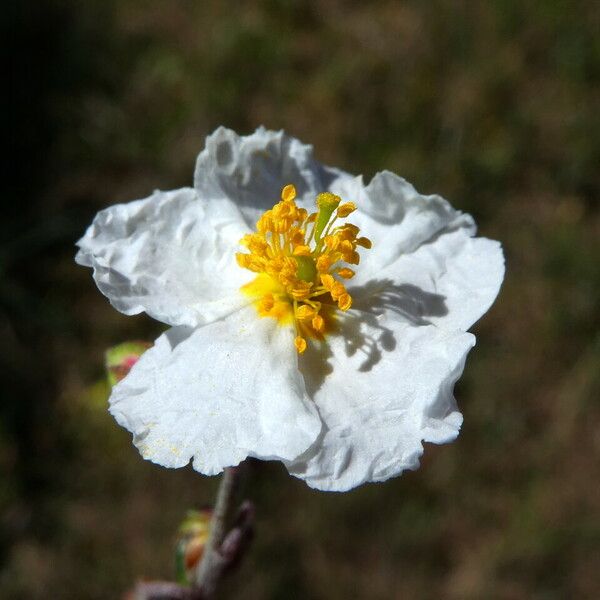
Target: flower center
299	258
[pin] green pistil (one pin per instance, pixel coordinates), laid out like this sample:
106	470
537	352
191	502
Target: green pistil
307	271
327	203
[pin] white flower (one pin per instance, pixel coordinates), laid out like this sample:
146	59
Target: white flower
226	381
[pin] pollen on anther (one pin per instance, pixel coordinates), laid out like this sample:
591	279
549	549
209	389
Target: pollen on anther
324	263
345	209
346	273
327	281
288	193
302	250
300	344
337	290
305	312
345	302
318	323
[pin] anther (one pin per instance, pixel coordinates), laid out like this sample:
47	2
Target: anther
318	323
300	344
346	273
302	250
305	312
345	209
345	302
288	193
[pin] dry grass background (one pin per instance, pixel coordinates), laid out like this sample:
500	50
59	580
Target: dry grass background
492	104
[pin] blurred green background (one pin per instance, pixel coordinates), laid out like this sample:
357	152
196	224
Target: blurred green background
493	104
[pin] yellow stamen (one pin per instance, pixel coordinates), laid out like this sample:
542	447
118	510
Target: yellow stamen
300	344
318	323
297	257
346	273
345	209
305	312
327	280
288	193
345	302
302	250
324	263
337	290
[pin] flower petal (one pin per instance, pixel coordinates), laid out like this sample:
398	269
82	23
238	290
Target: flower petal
424	253
170	255
251	170
396	217
218	393
450	282
382	386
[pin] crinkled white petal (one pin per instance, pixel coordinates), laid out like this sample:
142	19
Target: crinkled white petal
382	386
251	170
171	255
424	254
450	282
218	394
396	218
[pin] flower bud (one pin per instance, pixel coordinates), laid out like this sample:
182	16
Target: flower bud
193	536
119	359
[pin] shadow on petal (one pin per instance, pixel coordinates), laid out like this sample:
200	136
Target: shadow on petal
363	331
410	301
177	335
253	169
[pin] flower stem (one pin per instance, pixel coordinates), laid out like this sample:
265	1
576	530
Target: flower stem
231	532
213	563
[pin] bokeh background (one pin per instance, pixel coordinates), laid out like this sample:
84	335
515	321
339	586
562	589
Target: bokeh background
493	104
